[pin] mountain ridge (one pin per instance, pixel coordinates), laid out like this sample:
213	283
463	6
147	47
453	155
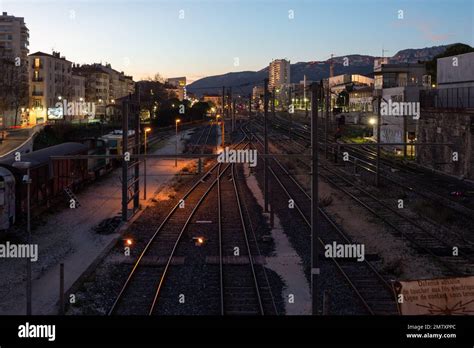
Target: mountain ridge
243	81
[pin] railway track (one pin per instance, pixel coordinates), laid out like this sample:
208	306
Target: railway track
416	181
243	286
413	180
142	288
424	240
203	139
373	292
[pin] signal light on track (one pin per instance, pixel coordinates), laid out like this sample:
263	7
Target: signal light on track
199	241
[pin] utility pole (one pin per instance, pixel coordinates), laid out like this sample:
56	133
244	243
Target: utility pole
234	121
290	104
273	102
125	107
250	105
27	180
305	97
250	116
314	201
136	191
223	100
29	285
405	130
265	136
223	116
326	123
379	121
230	109
61	289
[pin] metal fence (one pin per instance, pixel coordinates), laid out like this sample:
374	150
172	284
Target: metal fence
448	98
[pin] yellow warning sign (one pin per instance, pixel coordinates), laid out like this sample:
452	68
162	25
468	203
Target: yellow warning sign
448	296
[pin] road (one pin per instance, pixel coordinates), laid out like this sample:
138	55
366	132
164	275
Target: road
13	138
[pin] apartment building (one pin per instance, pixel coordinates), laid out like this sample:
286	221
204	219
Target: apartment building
179	84
103	86
279	73
50	81
78	87
14	36
14	42
279	79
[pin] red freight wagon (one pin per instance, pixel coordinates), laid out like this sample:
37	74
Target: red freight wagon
48	178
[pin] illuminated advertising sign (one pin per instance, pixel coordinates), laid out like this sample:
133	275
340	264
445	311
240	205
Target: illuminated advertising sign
55	114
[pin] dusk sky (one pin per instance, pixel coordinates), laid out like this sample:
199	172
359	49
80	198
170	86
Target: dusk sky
147	37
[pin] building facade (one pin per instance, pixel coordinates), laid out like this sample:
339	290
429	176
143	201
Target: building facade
14	42
361	99
14	36
179	84
342	88
279	79
103	86
447	116
50	81
399	86
279	73
214	99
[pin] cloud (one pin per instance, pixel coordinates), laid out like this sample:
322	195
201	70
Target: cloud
424	28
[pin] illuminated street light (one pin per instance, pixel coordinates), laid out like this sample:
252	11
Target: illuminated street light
372	121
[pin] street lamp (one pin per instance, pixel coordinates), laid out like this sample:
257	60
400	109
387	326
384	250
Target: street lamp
147	130
27	181
176	158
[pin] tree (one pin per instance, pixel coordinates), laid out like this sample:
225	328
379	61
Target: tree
199	110
153	93
13	84
453	50
343	99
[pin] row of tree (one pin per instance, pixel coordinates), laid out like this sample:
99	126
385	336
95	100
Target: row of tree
160	102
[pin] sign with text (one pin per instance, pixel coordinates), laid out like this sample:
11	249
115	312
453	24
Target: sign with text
448	296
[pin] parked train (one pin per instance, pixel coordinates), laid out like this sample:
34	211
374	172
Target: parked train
50	179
